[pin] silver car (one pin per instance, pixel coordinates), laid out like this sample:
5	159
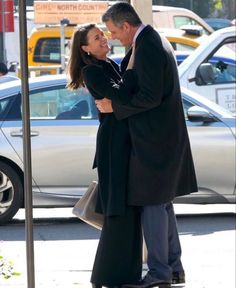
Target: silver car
63	135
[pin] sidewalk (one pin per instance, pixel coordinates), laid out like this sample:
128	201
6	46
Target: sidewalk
65	249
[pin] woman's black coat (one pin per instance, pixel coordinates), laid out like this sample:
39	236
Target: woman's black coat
113	142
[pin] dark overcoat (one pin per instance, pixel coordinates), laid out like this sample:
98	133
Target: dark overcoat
161	165
113	142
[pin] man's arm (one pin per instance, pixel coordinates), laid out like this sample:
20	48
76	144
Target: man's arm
102	86
149	69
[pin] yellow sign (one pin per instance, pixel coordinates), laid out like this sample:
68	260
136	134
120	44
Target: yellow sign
77	12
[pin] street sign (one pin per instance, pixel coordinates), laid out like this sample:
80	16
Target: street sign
6	16
77	12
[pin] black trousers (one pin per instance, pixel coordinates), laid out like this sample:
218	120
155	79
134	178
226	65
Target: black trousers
119	254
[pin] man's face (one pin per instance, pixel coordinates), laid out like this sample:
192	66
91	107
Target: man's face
122	33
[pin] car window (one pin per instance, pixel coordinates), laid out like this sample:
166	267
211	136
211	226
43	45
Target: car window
3	107
3	104
52	103
61	103
185	20
223	64
10	108
48	50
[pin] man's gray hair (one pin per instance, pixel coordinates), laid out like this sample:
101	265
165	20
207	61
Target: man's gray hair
122	12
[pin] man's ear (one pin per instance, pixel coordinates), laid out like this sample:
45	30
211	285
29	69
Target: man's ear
85	48
126	26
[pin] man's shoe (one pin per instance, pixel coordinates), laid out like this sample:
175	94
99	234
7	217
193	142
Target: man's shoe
149	282
148	285
178	277
153	282
96	285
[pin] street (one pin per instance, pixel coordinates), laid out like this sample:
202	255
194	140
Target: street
65	247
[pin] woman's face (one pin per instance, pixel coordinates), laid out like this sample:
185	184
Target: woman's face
97	44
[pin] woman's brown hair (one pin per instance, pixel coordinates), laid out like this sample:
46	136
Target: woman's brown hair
78	57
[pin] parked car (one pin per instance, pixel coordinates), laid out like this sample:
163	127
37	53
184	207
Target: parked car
176	17
63	135
182	39
211	69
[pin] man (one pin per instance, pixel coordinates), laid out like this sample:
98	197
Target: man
161	165
4	77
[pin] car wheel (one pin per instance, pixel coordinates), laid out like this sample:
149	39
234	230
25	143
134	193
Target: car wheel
11	192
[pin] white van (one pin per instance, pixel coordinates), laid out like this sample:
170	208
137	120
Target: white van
175	17
211	69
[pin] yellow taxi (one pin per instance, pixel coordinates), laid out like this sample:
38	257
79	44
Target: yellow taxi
183	39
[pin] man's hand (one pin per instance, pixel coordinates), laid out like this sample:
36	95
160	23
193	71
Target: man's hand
104	105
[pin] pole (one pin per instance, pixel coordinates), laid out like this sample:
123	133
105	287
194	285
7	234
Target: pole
2	33
191	5
64	22
144	10
1	48
26	146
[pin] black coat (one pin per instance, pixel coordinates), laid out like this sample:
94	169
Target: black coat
161	165
113	143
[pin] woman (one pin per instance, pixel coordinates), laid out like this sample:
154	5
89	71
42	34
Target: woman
119	254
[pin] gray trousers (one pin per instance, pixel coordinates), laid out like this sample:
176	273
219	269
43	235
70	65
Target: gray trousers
162	240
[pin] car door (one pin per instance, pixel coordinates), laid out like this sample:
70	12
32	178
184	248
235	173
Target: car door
220	84
213	149
62	149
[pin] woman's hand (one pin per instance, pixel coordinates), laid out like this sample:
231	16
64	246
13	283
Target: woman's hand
104	105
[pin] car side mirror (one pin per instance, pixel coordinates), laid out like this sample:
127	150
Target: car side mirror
199	114
205	74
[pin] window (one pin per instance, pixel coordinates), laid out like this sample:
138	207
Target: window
10	108
223	64
185	20
3	106
48	50
51	103
61	103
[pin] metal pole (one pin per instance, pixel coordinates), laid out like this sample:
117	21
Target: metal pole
3	32
191	5
144	10
26	146
64	22
62	29
2	45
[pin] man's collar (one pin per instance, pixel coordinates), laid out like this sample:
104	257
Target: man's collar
140	28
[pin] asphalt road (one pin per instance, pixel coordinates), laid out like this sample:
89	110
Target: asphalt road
64	247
